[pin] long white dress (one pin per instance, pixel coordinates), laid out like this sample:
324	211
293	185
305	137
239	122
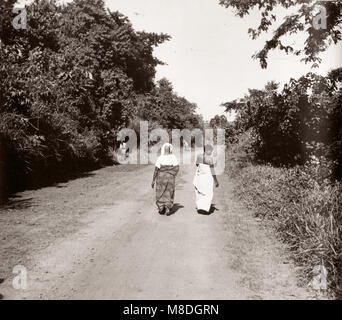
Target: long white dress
204	184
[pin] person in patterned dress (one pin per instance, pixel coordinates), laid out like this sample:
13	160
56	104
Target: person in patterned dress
164	178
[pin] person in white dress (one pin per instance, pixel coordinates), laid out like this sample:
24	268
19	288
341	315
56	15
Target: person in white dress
204	180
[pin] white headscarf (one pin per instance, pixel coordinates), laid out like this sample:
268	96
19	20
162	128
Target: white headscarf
166	145
167	159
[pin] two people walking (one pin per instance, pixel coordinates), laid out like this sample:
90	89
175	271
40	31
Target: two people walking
164	178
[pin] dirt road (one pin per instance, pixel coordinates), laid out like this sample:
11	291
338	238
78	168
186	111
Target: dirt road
100	237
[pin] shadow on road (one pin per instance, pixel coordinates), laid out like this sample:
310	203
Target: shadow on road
16	203
175	208
211	211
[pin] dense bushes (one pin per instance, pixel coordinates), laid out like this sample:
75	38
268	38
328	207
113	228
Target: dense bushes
75	76
293	125
287	163
286	144
306	212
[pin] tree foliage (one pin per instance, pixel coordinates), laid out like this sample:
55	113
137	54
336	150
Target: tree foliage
299	21
70	80
164	106
292	125
221	122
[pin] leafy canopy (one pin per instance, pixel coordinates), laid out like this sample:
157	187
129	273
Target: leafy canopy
291	125
69	82
301	20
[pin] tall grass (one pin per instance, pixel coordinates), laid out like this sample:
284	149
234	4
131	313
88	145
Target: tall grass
305	210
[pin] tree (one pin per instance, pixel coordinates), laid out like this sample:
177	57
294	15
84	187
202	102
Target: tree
293	124
317	39
70	81
171	111
221	122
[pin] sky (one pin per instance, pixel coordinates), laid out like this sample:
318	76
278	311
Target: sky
209	58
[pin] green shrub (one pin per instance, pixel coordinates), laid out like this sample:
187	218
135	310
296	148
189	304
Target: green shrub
69	82
306	213
291	125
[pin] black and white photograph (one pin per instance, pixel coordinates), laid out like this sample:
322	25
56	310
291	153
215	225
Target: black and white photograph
171	151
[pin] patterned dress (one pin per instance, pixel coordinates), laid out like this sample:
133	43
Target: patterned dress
165	186
168	167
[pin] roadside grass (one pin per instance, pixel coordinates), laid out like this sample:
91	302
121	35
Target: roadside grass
305	211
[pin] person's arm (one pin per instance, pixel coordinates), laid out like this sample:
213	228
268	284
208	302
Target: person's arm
214	174
156	170
175	165
199	159
216	181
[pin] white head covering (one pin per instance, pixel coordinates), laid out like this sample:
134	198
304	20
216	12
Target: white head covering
166	145
167	159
